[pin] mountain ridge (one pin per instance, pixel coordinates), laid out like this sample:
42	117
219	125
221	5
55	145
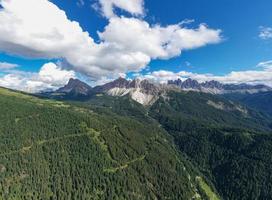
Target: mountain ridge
215	87
119	148
146	93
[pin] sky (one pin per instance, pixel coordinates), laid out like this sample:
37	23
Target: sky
45	43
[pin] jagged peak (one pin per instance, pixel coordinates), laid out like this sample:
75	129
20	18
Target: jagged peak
75	86
73	81
120	82
141	83
121	79
214	86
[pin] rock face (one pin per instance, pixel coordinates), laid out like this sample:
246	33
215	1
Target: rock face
215	87
139	90
75	87
118	83
146	93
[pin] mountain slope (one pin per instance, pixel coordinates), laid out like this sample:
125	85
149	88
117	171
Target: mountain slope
54	150
237	161
147	93
215	87
229	143
185	145
139	90
75	87
201	109
232	149
259	101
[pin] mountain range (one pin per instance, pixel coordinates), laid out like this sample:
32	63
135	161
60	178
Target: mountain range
146	92
133	139
215	87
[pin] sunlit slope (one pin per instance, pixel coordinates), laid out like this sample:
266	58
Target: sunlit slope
230	145
53	150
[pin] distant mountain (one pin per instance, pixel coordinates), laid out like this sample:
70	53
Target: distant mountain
260	101
118	83
215	87
139	90
146	93
186	145
75	87
197	108
187	84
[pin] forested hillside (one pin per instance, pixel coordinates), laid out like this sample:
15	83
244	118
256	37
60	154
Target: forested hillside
187	145
190	109
232	149
259	101
55	150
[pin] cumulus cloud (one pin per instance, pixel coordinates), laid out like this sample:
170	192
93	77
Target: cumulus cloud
131	34
161	76
107	7
39	29
263	76
7	66
50	77
265	33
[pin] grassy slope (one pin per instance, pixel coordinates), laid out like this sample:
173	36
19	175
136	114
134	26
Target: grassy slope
53	150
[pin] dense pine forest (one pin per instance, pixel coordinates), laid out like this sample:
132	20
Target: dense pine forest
233	150
55	150
182	147
259	101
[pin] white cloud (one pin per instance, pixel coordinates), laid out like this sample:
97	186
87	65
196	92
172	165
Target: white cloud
39	29
134	7
53	74
263	76
7	66
161	76
131	34
265	33
50	76
267	65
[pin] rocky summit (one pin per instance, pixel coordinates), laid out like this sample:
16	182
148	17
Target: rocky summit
215	87
146	93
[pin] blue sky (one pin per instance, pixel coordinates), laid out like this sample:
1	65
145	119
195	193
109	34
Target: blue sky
239	20
244	43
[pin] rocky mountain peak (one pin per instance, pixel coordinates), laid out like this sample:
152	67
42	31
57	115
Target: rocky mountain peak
212	84
118	83
146	93
177	82
76	87
216	87
143	84
140	90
